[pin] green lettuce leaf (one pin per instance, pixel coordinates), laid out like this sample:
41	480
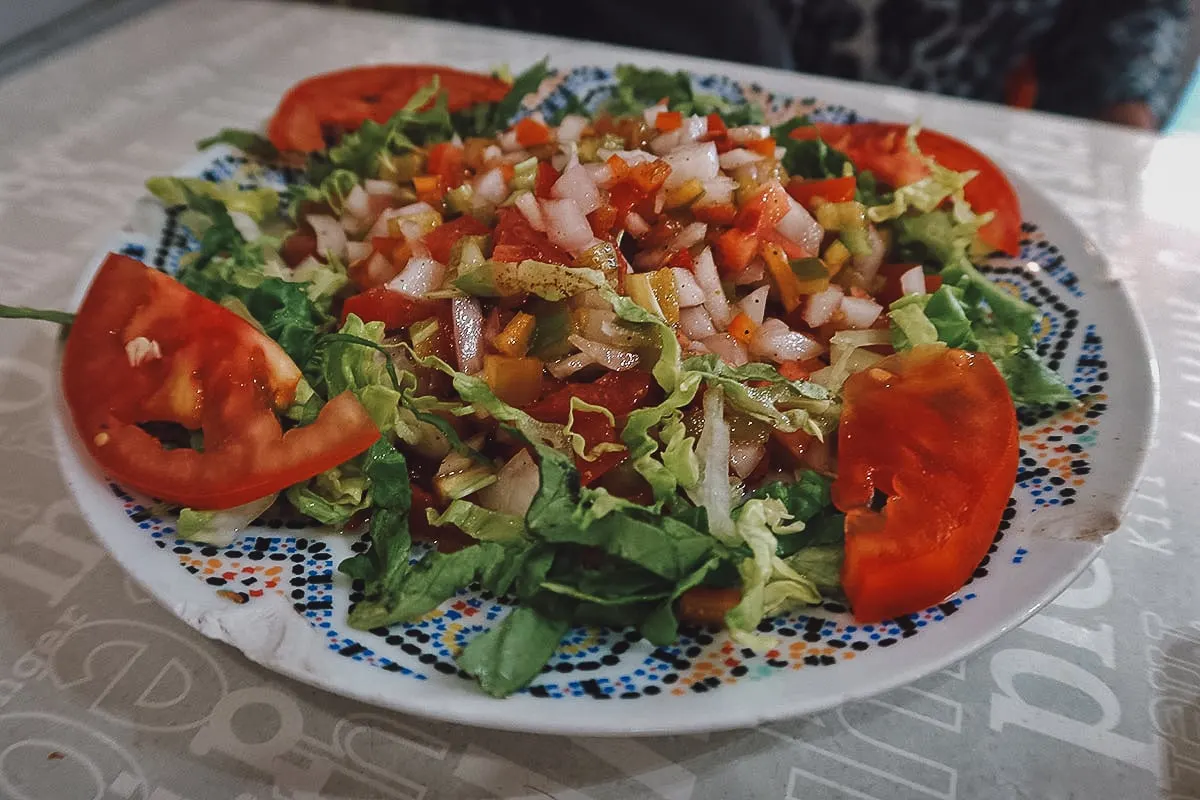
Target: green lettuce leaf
334	496
547	281
511	654
488	119
927	194
821	564
258	203
809	158
638	89
251	143
479	522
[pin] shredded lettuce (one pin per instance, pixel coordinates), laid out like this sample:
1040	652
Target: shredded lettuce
809	158
928	193
638	89
478	522
258	203
251	143
488	119
220	528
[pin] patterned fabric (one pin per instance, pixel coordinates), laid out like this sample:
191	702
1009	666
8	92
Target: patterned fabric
1091	54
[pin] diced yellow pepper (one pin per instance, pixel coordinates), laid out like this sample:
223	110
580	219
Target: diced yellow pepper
662	283
781	273
515	380
514	339
425	222
836	256
685	194
812	276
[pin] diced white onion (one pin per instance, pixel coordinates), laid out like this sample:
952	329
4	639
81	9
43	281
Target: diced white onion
419	277
692	234
605	355
666	142
754	305
380	226
860	312
754	272
516	484
636	225
749	133
696	324
527	204
630	157
358	202
775	341
728	349
566	367
822	306
693	128
331	237
508	141
732	159
566	225
651	113
575	184
467	316
714	294
867	266
492	154
490	188
374	186
712	449
744	457
356	251
913	281
717	191
571	128
601	174
697	161
690	293
799	226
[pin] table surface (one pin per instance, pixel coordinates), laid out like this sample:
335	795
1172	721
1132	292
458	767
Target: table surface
1097	697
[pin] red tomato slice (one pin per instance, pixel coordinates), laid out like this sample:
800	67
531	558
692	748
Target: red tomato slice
344	100
934	430
441	240
880	147
395	310
216	373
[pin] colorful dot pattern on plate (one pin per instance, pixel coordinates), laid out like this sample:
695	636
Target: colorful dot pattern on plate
617	664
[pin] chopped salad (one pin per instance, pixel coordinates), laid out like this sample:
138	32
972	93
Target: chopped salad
649	363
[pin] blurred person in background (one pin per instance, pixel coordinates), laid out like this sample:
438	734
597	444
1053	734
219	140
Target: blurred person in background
1116	60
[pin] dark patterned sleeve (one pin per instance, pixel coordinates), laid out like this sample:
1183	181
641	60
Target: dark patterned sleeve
1104	52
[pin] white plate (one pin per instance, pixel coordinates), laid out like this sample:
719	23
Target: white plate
277	597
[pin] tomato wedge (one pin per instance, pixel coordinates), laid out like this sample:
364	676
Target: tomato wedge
934	430
128	360
344	100
880	147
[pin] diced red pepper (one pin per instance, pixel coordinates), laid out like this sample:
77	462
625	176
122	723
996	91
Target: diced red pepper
800	370
735	249
649	176
716	125
516	240
603	220
680	258
530	132
764	147
547	176
441	240
742	328
764	210
835	190
429	189
790	248
446	161
668	121
715	214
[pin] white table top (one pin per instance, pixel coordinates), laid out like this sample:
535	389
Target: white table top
1098	696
